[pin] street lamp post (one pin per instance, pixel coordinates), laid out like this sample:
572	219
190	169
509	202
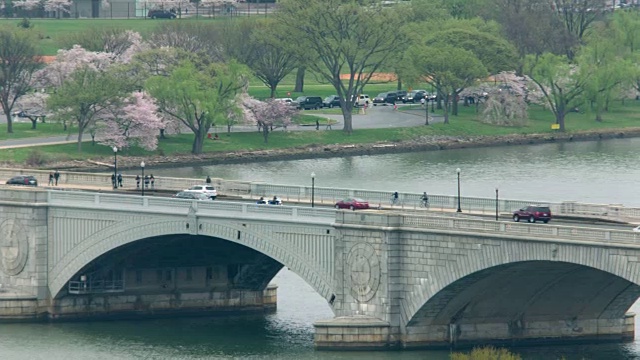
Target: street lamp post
497	207
313	185
115	167
458	172
426	106
142	178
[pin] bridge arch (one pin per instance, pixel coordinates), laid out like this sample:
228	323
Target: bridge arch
125	232
526	274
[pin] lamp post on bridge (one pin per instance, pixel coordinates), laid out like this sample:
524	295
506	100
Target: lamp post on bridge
115	167
497	206
458	172
142	178
313	185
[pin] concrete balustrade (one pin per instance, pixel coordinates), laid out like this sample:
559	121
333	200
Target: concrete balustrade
328	196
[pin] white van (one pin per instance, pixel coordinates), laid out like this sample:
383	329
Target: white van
363	99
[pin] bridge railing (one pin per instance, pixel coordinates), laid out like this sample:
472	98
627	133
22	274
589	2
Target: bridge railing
182	206
475	226
95	286
328	196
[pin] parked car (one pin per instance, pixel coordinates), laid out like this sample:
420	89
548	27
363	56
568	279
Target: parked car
636	229
208	190
191	195
533	213
385	98
414	96
285	100
363	99
161	14
27	180
308	102
331	101
352	203
401	95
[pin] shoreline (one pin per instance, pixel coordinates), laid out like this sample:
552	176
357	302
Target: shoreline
425	143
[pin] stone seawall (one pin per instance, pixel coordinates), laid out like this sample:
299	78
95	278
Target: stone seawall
424	143
124	306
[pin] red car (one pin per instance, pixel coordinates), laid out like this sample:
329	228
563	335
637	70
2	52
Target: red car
533	213
352	203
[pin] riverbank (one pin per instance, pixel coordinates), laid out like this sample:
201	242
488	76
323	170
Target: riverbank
423	143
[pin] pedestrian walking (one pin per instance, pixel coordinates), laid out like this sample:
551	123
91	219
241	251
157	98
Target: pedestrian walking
317	124
56	176
137	181
120	180
153	181
50	178
113	181
146	181
208	181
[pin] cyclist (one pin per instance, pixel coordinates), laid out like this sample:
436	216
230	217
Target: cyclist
394	198
425	199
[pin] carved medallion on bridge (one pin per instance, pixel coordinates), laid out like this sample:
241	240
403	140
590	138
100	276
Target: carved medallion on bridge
14	246
364	268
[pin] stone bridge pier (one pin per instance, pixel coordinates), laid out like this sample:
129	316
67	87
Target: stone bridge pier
418	282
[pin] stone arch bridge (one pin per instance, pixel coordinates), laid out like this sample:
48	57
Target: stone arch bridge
392	279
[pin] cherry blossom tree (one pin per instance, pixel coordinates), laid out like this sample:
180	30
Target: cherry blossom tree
268	115
58	6
132	121
68	61
27	4
33	106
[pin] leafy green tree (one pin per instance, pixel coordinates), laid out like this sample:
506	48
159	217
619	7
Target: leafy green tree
447	69
198	97
561	83
85	96
350	37
605	70
17	64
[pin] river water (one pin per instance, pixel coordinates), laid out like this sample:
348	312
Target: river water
598	172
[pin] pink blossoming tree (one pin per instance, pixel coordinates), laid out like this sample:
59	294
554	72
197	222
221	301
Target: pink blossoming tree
131	122
268	115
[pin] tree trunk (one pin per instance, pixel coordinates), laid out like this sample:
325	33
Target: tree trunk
265	133
273	91
7	114
229	129
399	83
599	116
198	141
348	119
445	107
34	122
560	120
300	79
80	140
162	134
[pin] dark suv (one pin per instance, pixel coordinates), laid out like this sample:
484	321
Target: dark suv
385	98
308	102
331	101
161	14
533	213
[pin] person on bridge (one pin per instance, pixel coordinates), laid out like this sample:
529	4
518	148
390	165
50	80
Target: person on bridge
137	181
113	181
208	181
50	178
56	176
146	181
394	198
425	200
120	180
153	181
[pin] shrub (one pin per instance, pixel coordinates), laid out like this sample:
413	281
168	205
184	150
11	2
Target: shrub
486	353
36	158
25	24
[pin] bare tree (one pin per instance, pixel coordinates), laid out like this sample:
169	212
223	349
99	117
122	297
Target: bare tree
18	62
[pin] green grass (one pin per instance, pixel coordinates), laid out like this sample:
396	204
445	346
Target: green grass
52	31
23	130
621	116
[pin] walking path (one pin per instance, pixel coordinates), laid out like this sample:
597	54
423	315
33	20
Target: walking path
375	117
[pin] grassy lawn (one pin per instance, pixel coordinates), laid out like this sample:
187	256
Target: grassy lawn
465	124
23	130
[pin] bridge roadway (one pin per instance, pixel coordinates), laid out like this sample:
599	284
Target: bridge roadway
392	278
